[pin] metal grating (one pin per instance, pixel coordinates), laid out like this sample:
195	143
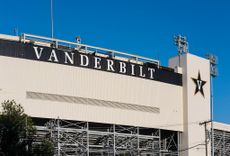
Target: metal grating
90	101
221	143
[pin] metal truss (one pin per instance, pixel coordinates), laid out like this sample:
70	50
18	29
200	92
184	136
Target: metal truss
221	143
86	139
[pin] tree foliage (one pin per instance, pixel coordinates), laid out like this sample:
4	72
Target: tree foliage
17	132
46	148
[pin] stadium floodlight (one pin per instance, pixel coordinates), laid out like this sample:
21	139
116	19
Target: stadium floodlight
213	63
182	45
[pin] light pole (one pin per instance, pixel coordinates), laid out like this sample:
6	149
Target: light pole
206	139
51	17
213	73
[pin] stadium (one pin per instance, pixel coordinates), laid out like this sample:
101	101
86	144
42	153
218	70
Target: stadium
97	101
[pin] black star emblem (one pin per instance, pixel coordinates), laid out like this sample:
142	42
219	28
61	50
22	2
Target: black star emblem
199	84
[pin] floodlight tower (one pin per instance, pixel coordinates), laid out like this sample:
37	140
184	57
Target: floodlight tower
213	72
182	45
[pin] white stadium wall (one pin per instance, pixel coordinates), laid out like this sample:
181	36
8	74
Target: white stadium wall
196	102
112	98
49	84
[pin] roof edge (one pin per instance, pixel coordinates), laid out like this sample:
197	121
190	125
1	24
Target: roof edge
221	126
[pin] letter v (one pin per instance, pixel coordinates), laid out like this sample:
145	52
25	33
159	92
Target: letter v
38	54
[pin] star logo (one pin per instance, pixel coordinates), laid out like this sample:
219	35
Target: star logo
199	84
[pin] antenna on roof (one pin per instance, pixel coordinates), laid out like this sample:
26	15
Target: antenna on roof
16	31
51	17
78	39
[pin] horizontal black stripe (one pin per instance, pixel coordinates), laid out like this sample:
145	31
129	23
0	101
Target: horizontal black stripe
26	51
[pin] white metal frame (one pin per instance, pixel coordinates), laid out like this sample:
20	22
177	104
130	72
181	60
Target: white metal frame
29	37
76	138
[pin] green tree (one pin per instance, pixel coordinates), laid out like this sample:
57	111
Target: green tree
17	133
16	130
46	148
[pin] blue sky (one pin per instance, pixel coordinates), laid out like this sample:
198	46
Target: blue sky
143	27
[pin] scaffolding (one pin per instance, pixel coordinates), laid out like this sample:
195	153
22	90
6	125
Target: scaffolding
221	143
87	138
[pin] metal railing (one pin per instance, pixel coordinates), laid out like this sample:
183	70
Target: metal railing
113	53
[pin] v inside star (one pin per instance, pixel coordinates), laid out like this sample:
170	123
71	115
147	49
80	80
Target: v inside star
199	84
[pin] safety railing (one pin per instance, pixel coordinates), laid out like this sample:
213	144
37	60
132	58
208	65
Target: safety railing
56	42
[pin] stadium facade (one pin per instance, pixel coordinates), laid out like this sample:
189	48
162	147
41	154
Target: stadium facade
96	101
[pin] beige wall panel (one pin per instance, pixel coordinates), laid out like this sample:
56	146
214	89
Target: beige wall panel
196	107
19	76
